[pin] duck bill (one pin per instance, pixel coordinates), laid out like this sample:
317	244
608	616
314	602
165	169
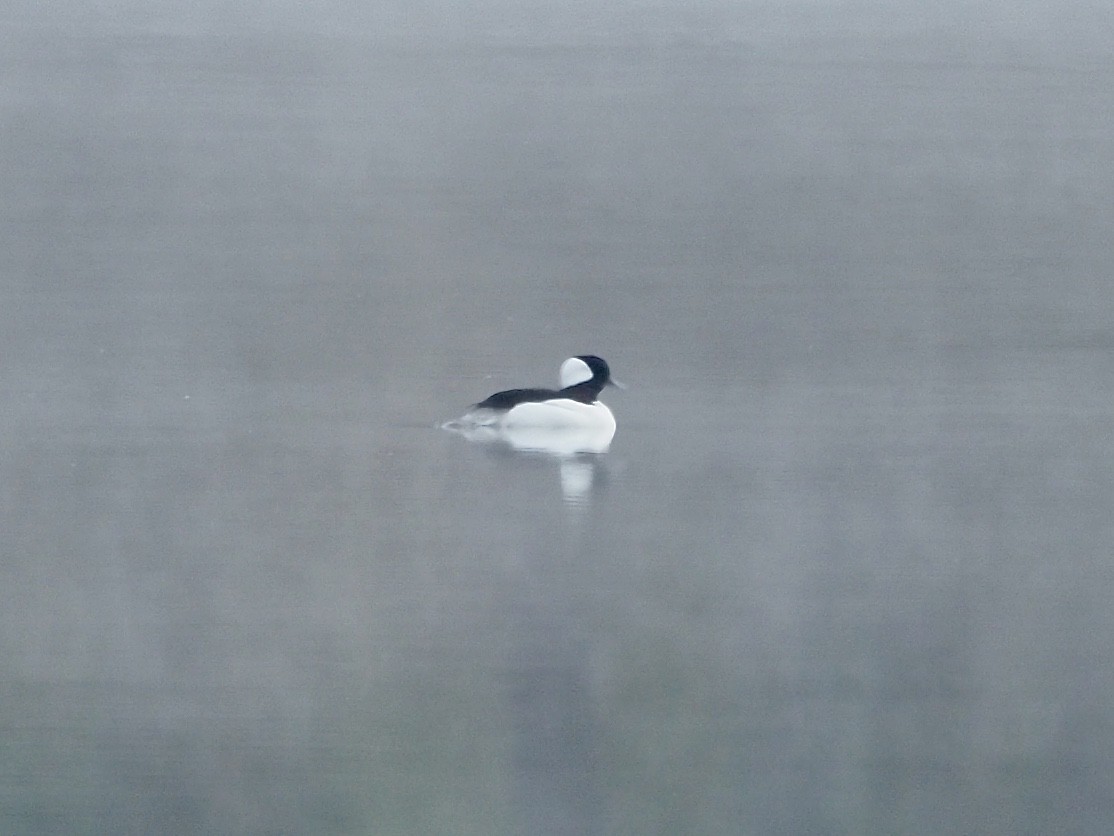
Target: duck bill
617	384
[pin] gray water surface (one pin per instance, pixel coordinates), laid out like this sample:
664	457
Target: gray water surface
846	568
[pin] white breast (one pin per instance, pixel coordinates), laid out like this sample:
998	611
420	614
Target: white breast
562	412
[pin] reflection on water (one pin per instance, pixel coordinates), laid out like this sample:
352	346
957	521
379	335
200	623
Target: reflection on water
575	450
844	567
578	476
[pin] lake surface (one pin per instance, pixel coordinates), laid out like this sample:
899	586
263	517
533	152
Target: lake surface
846	568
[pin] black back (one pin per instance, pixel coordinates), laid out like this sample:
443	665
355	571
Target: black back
513	397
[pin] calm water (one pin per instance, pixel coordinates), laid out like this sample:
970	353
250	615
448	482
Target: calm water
847	566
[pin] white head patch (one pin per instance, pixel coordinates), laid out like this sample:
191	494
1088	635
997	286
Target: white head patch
574	371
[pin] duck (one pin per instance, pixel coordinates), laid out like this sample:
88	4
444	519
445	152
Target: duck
526	418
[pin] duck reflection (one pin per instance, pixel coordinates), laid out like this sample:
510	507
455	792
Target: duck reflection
577	450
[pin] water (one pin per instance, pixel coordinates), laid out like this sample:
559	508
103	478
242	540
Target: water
846	567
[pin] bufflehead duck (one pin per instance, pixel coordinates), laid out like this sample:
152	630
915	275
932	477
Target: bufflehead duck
518	416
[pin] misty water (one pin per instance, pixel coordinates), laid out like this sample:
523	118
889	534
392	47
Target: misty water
846	567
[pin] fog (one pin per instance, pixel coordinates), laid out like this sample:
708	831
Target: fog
845	567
